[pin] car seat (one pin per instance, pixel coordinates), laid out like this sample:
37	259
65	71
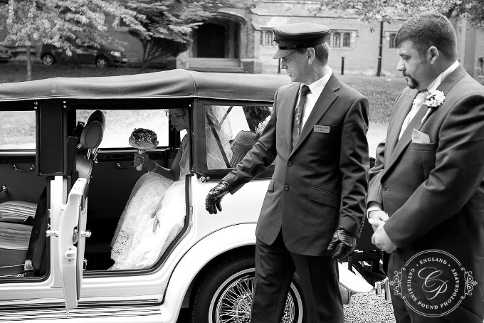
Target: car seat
22	245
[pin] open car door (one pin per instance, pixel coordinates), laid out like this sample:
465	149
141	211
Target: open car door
72	241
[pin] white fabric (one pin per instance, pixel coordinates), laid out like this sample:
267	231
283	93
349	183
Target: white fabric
316	88
152	217
223	128
420	98
150	229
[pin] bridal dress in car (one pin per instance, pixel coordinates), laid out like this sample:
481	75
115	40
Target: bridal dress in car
152	217
155	211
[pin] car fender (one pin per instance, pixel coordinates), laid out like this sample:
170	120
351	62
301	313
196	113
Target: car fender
197	257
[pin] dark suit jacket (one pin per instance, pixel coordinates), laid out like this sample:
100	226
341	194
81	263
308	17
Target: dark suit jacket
321	183
434	192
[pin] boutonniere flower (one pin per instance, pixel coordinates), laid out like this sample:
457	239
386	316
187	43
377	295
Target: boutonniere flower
433	101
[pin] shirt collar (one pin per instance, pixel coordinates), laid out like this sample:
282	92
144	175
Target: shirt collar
318	86
438	80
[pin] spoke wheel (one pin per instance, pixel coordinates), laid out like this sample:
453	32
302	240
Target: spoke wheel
232	302
47	59
226	296
101	62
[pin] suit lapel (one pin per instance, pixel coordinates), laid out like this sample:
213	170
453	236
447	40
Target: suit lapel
416	123
286	115
403	107
448	84
407	133
324	102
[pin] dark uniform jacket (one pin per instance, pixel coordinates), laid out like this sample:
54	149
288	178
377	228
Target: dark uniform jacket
320	184
434	191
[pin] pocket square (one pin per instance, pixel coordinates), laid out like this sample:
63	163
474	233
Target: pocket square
321	129
420	137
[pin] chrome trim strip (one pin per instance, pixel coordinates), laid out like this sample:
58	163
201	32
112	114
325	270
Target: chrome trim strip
87	311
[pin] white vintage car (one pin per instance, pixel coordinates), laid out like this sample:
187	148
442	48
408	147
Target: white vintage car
66	175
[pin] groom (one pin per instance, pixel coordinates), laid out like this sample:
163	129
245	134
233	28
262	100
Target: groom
426	194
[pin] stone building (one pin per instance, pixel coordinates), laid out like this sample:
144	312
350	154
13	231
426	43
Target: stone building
247	30
240	39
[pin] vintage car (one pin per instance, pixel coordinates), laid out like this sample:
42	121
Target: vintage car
66	175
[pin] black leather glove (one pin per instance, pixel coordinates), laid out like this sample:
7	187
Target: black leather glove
342	244
214	197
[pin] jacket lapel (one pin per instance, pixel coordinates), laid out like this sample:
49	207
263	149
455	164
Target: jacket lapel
286	115
407	133
324	102
416	123
403	107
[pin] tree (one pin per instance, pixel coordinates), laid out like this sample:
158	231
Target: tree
169	24
387	10
63	23
384	11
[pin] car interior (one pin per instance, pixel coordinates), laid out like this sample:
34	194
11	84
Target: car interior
24	193
23	218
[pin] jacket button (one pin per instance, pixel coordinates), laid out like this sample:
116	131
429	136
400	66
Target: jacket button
289	163
286	187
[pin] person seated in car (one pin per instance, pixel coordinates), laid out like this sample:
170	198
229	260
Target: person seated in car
139	238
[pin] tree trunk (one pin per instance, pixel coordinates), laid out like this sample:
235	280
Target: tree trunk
29	62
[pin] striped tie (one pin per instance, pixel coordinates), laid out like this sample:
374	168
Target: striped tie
298	114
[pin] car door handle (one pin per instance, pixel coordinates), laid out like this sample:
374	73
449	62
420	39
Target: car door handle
125	165
23	170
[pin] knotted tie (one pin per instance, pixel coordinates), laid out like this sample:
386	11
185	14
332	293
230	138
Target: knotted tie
416	107
298	113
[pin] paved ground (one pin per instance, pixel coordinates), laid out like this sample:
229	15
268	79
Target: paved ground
363	308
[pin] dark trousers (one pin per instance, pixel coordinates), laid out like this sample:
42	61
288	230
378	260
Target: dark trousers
318	277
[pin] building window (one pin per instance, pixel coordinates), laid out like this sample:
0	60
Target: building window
266	38
336	40
340	39
346	39
392	40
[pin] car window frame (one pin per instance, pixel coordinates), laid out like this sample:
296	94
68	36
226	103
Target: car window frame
199	152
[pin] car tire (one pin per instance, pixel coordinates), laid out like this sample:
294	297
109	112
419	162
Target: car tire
48	59
225	295
101	62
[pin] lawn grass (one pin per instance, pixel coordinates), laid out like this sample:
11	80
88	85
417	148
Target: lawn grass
381	93
17	71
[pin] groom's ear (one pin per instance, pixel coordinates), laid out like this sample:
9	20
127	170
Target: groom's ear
432	54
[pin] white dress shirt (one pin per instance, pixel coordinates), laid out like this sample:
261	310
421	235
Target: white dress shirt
316	88
420	98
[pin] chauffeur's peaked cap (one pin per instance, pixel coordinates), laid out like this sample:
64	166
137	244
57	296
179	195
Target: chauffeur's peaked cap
299	35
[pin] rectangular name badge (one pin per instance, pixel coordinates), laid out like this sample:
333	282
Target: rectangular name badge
321	129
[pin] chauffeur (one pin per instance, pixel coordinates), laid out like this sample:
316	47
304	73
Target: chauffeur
313	209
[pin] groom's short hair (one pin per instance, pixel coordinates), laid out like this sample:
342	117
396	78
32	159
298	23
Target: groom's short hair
429	29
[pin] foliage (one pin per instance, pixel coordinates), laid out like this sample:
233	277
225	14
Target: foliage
169	23
65	23
387	10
